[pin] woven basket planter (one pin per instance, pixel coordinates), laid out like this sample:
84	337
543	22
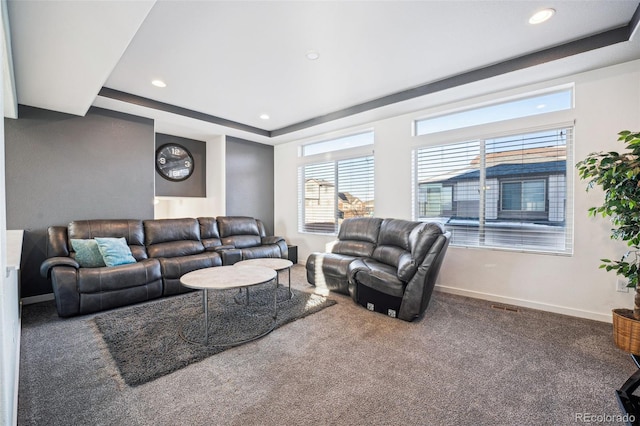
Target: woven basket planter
626	331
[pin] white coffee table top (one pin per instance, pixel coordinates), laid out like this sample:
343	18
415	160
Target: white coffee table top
274	263
226	277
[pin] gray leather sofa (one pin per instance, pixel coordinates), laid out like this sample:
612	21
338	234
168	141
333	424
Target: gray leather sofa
163	250
386	265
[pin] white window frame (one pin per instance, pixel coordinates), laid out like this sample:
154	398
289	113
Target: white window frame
522	181
523	125
335	156
496	102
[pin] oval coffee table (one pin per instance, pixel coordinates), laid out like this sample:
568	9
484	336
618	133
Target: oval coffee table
224	278
275	263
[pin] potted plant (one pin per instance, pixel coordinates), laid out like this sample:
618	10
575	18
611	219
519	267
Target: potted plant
618	174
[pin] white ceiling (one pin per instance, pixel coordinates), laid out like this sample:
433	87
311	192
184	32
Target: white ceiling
238	59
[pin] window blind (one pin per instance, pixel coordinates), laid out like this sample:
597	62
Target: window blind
507	192
330	192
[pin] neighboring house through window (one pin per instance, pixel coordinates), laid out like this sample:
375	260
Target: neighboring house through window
503	192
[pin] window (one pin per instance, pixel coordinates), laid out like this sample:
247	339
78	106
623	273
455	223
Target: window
333	191
331	145
335	182
523	196
524	107
506	192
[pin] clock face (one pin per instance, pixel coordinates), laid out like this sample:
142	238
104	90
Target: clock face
174	162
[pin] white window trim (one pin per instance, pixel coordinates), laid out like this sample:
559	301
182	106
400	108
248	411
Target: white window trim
338	152
335	160
489	100
501	131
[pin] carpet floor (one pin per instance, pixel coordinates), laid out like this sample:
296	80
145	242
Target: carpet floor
462	363
147	341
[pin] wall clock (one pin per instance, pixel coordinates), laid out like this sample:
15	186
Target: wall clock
174	162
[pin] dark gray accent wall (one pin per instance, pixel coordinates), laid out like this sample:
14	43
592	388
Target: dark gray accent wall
196	184
62	167
249	180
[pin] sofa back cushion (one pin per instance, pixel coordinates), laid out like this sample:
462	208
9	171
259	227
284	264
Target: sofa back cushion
172	237
423	238
395	246
404	244
129	229
57	244
393	241
209	234
357	236
239	231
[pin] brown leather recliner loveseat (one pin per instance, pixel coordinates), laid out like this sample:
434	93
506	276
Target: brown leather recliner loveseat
156	254
386	265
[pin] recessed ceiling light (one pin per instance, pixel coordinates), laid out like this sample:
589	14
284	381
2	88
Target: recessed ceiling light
541	16
312	55
264	116
159	83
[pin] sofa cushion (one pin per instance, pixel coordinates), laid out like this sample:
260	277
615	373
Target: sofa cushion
237	225
164	230
360	229
239	231
175	249
260	252
395	245
376	275
209	234
175	267
330	264
242	241
87	253
424	237
172	237
115	251
129	229
98	280
357	237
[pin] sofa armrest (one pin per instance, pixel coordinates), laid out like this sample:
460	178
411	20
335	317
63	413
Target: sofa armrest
64	281
272	239
354	267
230	255
418	291
48	264
280	242
407	267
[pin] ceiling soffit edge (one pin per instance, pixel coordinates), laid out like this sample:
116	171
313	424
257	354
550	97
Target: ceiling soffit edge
593	42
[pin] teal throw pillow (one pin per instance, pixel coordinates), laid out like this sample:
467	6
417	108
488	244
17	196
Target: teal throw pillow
87	253
115	251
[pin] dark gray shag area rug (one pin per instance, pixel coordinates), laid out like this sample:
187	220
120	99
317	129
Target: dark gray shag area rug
146	341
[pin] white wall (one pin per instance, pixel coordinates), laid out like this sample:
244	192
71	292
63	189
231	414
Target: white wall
9	263
607	101
211	205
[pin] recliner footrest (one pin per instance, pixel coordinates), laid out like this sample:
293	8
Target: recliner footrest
377	301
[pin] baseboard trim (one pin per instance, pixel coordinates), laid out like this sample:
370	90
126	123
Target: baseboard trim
527	304
37	299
